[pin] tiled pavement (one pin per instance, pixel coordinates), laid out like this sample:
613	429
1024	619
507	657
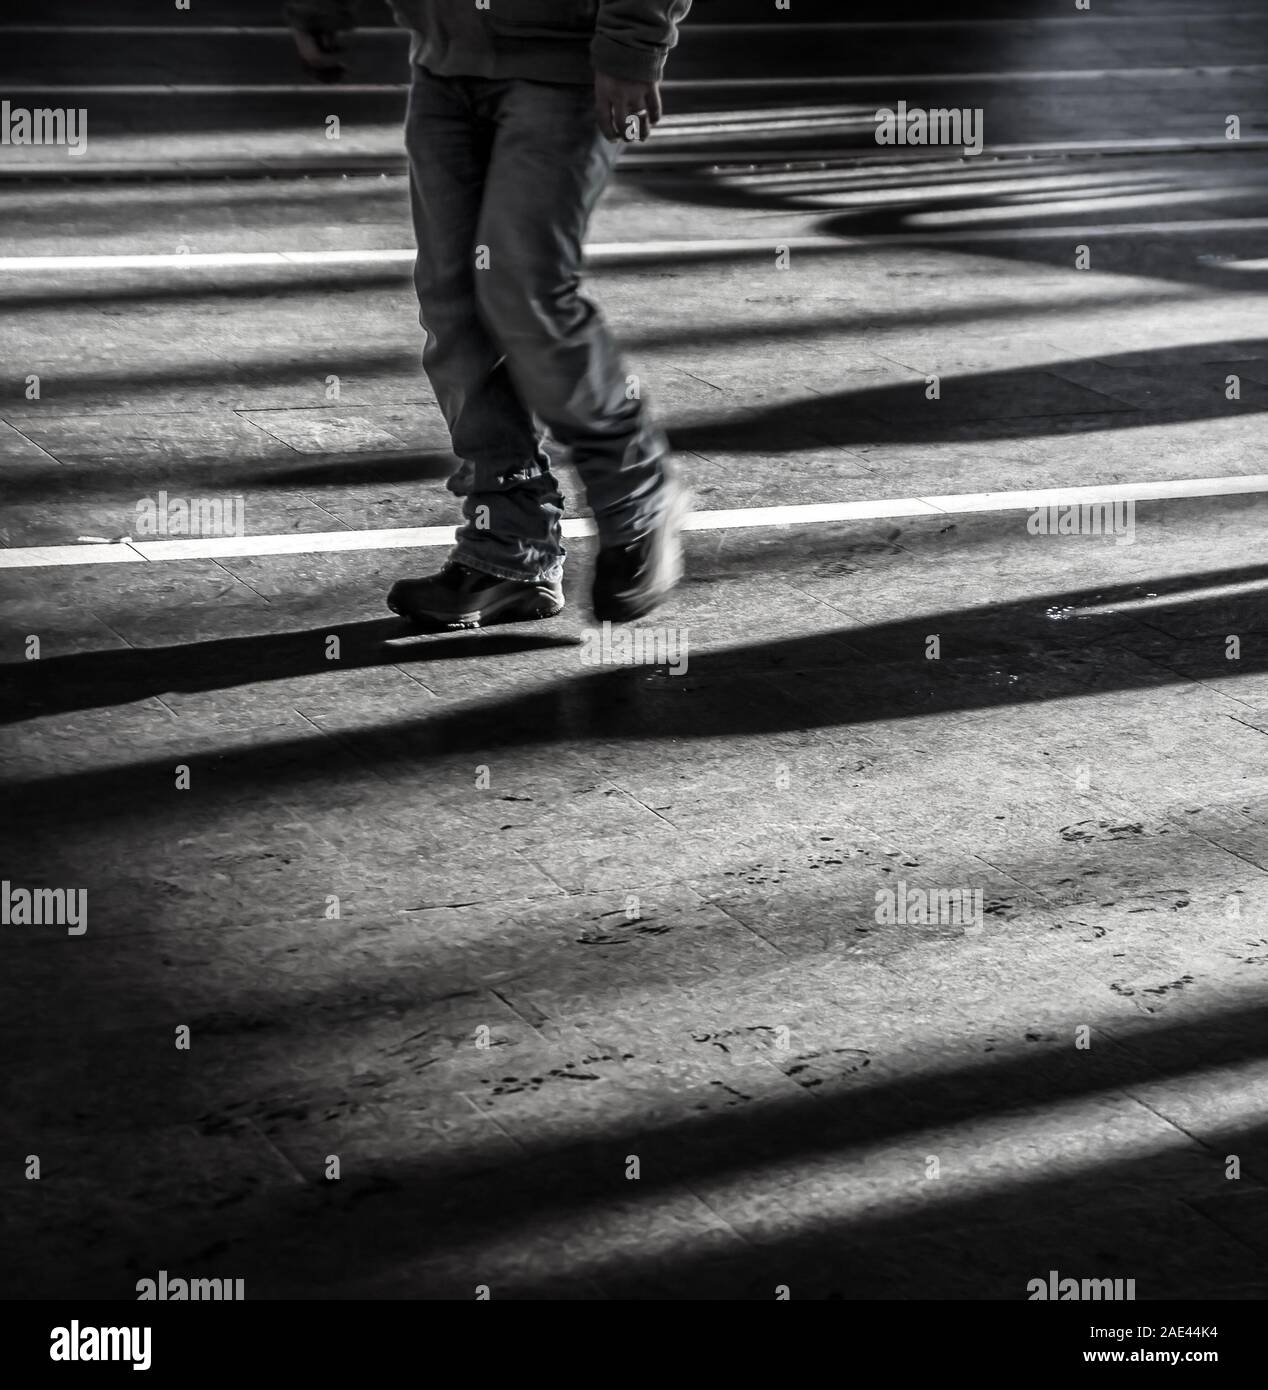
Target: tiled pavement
578	972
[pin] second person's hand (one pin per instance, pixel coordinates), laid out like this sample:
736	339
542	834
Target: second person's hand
317	51
626	110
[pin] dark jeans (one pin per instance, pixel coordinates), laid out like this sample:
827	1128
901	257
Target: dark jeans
504	175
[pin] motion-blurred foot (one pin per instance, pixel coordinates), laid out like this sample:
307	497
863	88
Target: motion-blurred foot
632	579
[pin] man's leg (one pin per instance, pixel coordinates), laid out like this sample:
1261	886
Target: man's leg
511	502
548	167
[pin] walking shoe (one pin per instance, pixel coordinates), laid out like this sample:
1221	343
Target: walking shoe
632	579
460	597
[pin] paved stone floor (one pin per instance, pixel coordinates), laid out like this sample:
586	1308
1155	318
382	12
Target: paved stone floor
580	977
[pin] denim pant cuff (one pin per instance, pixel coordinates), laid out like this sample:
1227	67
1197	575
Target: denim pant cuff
474	560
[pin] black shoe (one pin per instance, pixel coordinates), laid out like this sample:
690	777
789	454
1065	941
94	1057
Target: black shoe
630	580
459	597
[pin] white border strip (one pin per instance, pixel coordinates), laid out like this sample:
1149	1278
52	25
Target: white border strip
410	537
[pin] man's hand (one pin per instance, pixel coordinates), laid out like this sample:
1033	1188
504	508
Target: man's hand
626	110
317	52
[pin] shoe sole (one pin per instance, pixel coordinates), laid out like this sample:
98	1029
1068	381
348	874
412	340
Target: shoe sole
539	607
669	563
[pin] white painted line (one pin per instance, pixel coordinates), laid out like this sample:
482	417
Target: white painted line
879	81
176	30
200	89
773	161
300	543
1026	499
1145	144
598	252
411	537
760	117
774	126
36	556
206	259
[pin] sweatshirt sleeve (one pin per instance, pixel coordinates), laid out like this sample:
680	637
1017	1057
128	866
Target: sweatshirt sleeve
311	15
633	37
